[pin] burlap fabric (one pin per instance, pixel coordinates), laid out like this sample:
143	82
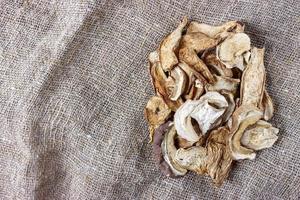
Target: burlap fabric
74	81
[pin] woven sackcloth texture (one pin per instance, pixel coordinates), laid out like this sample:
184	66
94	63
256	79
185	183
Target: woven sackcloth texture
74	82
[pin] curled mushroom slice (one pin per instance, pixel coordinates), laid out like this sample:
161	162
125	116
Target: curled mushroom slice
253	79
195	82
169	45
156	112
267	106
231	51
216	66
190	45
219	159
183	121
157	141
231	105
242	118
176	83
159	80
209	110
215	31
169	150
206	111
193	158
223	83
260	136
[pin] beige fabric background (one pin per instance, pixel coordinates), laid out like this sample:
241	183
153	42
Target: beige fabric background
74	81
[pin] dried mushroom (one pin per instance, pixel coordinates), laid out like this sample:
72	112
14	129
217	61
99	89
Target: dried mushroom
169	45
242	118
169	150
176	83
192	44
216	66
206	111
267	106
159	80
224	83
253	79
215	31
219	156
231	52
260	136
156	113
211	105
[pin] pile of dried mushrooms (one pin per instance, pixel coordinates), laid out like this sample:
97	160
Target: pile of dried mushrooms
211	106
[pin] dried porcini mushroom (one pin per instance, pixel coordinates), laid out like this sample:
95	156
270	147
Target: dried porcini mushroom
211	105
224	83
169	149
262	135
156	113
176	83
169	45
231	52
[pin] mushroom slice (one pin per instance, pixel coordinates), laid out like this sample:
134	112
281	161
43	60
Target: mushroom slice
260	136
223	83
242	118
267	106
169	150
153	59
193	158
159	80
182	143
176	83
207	113
253	79
230	51
190	45
169	45
196	82
219	159
216	66
215	31
156	112
231	105
183	121
158	138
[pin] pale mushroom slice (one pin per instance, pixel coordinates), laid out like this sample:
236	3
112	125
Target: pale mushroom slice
169	45
190	45
176	83
223	83
253	79
267	106
231	50
215	31
207	113
219	159
216	66
156	112
242	118
169	150
260	136
159	80
183	121
193	158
